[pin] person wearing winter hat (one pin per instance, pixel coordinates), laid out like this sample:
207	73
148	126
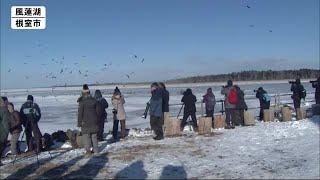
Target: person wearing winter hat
88	112
119	114
30	114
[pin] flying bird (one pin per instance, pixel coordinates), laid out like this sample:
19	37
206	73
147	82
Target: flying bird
247	6
80	72
251	25
128	76
270	30
25	63
135	56
61	71
142	60
9	70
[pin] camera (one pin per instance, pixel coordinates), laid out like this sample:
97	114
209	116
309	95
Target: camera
114	111
313	81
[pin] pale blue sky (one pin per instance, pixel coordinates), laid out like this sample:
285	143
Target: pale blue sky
176	38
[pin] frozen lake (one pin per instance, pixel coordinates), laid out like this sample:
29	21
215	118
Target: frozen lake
59	105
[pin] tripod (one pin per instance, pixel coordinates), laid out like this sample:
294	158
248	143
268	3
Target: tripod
37	153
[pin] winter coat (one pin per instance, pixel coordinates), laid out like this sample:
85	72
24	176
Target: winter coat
225	92
241	104
263	104
15	122
156	103
165	100
30	111
118	104
189	101
4	122
296	89
104	104
88	113
209	100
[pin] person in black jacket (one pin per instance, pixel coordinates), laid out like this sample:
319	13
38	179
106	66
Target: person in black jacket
31	114
298	93
103	117
189	101
317	93
241	106
165	100
264	103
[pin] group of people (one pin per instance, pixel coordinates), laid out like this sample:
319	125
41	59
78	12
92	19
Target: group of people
12	122
92	113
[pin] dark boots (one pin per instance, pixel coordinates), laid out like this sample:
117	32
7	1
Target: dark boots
123	129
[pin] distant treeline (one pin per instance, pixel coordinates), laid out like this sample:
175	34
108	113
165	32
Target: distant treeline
252	76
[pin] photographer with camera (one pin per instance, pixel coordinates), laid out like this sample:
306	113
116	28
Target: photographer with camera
298	92
119	114
30	115
316	84
264	100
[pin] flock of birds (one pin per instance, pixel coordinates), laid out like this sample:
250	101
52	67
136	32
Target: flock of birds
75	68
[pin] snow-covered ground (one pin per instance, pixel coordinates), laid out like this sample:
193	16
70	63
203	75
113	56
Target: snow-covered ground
266	150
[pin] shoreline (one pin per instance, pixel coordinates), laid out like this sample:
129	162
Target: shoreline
145	85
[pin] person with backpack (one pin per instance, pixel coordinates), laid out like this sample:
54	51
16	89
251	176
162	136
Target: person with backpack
210	101
119	114
241	106
4	126
230	102
30	114
264	100
189	100
156	112
316	84
298	93
104	105
88	112
15	129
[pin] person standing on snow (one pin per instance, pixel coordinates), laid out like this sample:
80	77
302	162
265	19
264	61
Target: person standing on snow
298	93
30	115
15	129
88	113
189	100
230	102
119	114
264	100
210	101
156	111
317	93
165	101
4	126
241	106
104	105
